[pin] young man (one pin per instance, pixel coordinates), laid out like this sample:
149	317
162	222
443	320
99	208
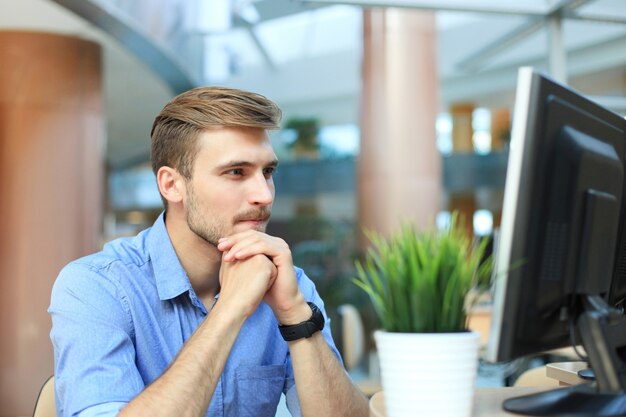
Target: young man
203	313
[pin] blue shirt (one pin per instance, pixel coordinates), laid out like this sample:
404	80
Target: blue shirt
120	316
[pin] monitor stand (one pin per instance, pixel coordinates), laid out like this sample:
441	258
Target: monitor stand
603	333
586	374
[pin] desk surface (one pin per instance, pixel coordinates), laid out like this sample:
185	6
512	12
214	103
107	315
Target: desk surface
566	372
487	403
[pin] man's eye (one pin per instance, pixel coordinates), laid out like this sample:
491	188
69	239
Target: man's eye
236	171
269	171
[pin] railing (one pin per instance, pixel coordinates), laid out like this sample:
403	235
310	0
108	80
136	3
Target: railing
157	31
465	172
136	188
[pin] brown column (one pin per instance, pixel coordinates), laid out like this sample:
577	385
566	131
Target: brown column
500	128
399	167
500	138
51	166
462	142
462	130
465	205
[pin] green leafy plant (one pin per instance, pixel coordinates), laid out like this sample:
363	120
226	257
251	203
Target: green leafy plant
419	282
306	142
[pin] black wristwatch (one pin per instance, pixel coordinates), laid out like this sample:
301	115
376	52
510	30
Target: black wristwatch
306	328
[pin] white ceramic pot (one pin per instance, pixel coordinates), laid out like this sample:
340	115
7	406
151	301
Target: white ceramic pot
428	374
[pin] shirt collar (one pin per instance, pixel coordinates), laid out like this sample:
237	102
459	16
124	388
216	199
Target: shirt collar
171	279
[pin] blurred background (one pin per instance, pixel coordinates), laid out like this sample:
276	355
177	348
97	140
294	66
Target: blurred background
394	110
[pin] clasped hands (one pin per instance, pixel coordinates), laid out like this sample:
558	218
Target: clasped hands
257	266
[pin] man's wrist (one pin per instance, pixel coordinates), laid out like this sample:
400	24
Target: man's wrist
234	315
297	313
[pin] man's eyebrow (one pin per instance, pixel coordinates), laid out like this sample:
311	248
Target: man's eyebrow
239	164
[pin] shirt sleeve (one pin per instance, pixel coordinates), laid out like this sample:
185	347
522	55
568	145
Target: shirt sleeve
92	336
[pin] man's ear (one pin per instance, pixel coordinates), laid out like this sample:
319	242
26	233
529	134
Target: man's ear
171	184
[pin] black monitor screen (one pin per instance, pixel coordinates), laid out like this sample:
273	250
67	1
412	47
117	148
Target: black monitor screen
561	226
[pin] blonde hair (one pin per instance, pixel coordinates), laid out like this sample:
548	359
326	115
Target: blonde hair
176	129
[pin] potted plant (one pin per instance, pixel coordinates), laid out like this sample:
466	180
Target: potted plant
421	286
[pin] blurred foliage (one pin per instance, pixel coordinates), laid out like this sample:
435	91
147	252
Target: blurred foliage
326	251
306	143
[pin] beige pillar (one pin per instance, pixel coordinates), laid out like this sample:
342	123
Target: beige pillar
399	167
51	164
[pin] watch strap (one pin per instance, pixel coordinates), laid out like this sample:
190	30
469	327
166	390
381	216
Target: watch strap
306	328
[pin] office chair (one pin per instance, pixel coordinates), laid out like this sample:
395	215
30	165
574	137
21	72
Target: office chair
45	406
353	349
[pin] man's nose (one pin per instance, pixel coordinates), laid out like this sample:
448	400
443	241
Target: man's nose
262	191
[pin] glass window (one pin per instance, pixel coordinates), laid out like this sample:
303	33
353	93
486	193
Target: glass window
483	223
444	133
481	125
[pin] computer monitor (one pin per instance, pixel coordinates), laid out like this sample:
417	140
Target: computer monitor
617	293
561	230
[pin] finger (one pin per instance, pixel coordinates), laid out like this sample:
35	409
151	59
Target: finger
244	250
272	277
262	244
227	260
224	244
227	242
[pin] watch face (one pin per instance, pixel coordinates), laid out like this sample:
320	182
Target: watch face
317	317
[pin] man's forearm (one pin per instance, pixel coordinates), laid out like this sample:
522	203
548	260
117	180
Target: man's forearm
187	386
323	386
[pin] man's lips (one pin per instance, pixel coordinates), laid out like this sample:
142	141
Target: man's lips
253	216
254	220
